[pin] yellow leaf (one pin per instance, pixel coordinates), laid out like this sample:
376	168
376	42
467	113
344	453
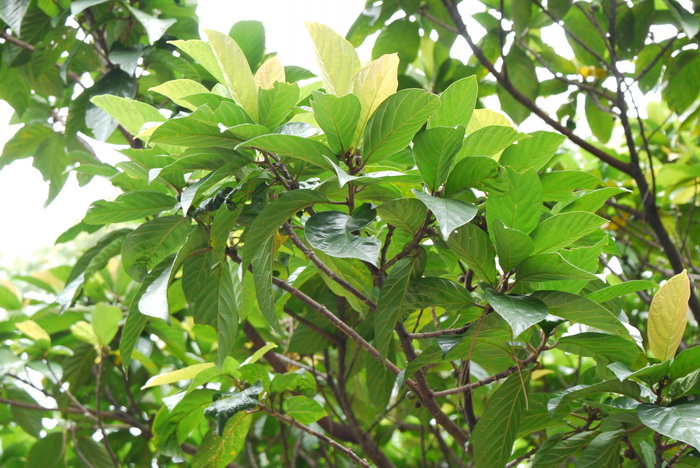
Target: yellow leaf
372	85
177	90
202	53
186	373
270	72
237	75
539	373
668	316
33	330
485	117
336	58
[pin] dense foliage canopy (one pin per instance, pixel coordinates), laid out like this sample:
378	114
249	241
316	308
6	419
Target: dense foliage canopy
366	267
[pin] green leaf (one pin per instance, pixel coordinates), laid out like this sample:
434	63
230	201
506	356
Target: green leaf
337	117
391	299
600	345
130	114
9	299
520	207
679	422
12	12
392	127
298	381
186	373
273	216
331	232
562	230
117	83
457	104
406	214
292	146
262	260
129	206
521	312
686	362
496	431
578	309
479	172
95	453
238	78
151	242
668	316
450	214
228	405
650	374
155	27
434	152
578	23
441	292
304	409
355	273
276	104
250	37
618	290
559	185
603	451
181	419
472	246
217	451
178	90
47	452
533	152
202	53
400	36
512	246
336	58
550	267
520	70
488	141
600	121
576	393
28	419
554	451
105	322
192	133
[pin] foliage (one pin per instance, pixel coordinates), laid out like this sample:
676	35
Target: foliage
334	272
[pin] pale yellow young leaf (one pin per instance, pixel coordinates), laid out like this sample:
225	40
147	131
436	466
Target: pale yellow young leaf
202	53
668	316
485	117
177	90
237	75
269	73
372	85
186	373
336	57
33	330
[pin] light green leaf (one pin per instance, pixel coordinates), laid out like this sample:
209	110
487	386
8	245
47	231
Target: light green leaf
473	246
486	117
488	141
561	230
603	451
331	232
186	373
391	299
668	316
202	53
479	172
217	451
129	206
457	104
47	452
533	152
192	133
276	104
337	117
576	393
406	214
521	312
600	345
434	152
271	72
336	58
105	322
250	37
554	451
178	90
520	207
33	330
559	185
520	70
132	115
550	267
450	214
600	121
618	290
12	12
292	146
512	246
155	27
152	242
679	422
588	200
238	78
304	409
686	362
496	431
392	127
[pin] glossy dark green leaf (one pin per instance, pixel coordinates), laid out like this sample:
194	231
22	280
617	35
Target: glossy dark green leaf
393	125
520	207
576	393
440	292
182	419
298	381
603	451
450	213
228	405
332	232
512	246
456	104
555	451
618	290
337	117
474	248
600	345
550	267
533	152
521	312
679	422
391	299
685	362
434	152
496	431
262	260
406	214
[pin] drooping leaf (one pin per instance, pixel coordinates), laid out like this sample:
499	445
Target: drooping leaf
668	316
600	121
155	27
473	246
521	72
105	322
434	152
48	452
227	406
12	12
391	299
450	213
332	232
521	312
496	431
555	451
